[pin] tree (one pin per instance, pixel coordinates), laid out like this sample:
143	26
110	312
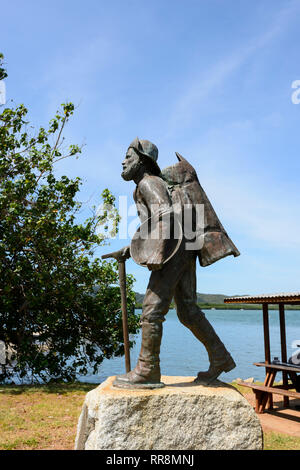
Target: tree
59	305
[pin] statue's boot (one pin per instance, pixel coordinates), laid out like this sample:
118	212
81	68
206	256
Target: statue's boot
146	374
216	367
219	358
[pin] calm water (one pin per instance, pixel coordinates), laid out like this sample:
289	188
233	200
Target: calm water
240	330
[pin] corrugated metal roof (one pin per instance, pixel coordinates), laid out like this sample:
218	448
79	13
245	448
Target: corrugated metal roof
287	297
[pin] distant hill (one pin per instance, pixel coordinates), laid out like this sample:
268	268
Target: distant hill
201	298
216	301
139	298
211	298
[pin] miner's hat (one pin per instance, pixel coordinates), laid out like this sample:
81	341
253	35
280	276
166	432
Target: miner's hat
147	149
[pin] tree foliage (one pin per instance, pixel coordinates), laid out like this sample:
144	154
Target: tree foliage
59	305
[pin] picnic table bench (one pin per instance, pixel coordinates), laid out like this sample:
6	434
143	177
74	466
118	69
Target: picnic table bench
264	393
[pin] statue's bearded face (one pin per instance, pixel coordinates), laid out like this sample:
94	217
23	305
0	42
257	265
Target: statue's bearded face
131	165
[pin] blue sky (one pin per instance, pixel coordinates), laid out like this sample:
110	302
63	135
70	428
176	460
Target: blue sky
209	79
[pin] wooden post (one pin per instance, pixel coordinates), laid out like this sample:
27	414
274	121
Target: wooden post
282	333
122	278
263	398
283	350
266	333
268	397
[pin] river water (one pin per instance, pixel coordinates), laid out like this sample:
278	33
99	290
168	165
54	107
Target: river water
240	330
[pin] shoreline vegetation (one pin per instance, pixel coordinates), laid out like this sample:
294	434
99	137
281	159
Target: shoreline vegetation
45	417
216	302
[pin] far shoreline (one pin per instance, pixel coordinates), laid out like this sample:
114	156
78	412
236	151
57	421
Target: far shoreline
139	306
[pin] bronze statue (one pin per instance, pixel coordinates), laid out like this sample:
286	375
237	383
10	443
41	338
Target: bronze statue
173	266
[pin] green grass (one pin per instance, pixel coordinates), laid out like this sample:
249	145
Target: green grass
40	417
278	441
46	416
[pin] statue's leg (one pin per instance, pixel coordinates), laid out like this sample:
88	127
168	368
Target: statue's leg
190	314
156	304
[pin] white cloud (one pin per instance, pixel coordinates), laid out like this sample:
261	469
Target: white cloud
203	84
262	213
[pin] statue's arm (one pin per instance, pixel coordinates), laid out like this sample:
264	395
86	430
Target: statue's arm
155	194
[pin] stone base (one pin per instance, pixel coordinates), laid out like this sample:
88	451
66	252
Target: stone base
181	416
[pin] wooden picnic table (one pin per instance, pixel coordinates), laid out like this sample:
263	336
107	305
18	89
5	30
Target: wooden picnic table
264	393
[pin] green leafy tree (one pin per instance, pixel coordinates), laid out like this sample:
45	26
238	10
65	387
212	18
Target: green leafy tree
59	305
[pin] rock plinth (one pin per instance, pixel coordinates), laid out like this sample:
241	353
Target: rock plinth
181	416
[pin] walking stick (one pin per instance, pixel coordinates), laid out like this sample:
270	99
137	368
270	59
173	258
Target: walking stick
122	279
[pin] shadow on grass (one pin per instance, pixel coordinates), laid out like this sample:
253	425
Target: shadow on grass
61	388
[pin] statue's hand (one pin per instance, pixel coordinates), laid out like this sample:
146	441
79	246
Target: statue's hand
155	261
154	267
121	255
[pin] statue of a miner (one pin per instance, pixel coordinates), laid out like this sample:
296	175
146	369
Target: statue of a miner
172	259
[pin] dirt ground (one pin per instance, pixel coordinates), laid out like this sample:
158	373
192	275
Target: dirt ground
282	420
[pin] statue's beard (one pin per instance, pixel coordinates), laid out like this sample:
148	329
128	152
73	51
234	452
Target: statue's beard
129	173
126	175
